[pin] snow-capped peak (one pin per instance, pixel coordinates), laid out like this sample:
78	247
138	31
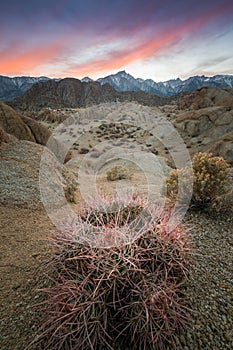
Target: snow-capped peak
86	80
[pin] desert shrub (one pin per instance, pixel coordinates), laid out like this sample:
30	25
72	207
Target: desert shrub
119	279
181	177
69	185
69	191
211	179
117	173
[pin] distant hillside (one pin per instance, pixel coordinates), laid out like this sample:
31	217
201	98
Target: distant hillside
72	93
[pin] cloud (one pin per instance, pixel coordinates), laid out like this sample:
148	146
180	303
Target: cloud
210	66
13	62
148	45
77	38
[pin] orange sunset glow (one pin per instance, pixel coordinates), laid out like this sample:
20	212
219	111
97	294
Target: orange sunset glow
159	42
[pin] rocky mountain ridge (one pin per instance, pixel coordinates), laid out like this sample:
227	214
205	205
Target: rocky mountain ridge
121	81
13	87
72	93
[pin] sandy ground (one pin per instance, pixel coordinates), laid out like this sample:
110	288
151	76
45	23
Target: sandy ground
23	250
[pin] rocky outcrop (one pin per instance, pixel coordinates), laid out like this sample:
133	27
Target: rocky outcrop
212	121
206	124
224	147
23	128
19	169
40	133
207	97
5	138
20	165
12	123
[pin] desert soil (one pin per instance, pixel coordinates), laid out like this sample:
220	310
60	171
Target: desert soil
23	251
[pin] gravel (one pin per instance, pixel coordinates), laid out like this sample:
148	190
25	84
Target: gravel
210	285
19	174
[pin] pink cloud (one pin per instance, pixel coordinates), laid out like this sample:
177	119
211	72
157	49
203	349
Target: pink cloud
146	39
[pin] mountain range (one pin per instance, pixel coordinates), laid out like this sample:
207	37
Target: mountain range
122	82
14	87
73	93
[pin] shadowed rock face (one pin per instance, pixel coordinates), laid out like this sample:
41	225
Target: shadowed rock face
39	132
5	138
12	123
72	93
68	92
23	128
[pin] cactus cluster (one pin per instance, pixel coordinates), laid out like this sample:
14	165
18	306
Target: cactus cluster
119	279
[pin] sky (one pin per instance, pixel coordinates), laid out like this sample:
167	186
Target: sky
159	40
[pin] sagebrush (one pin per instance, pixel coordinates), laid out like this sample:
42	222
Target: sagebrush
117	173
211	182
69	185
